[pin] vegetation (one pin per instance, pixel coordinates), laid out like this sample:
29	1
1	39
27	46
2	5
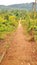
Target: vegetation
22	6
30	25
8	23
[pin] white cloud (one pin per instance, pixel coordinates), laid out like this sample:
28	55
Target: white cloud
8	2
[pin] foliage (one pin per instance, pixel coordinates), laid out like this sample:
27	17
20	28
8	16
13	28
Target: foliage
30	24
8	22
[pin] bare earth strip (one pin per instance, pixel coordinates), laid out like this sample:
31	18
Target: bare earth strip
21	52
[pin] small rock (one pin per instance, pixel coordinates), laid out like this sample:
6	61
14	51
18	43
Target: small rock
22	63
33	50
29	64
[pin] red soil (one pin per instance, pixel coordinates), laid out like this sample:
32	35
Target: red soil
21	52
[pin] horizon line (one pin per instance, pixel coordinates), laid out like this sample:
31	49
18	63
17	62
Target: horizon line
15	4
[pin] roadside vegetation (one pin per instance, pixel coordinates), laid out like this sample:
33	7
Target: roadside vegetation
30	25
8	23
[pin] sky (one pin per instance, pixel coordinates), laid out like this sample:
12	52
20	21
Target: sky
9	2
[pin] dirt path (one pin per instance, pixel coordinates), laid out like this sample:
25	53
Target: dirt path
21	52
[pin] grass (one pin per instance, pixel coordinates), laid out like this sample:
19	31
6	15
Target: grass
30	27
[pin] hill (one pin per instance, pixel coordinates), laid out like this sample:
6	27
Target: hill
27	6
